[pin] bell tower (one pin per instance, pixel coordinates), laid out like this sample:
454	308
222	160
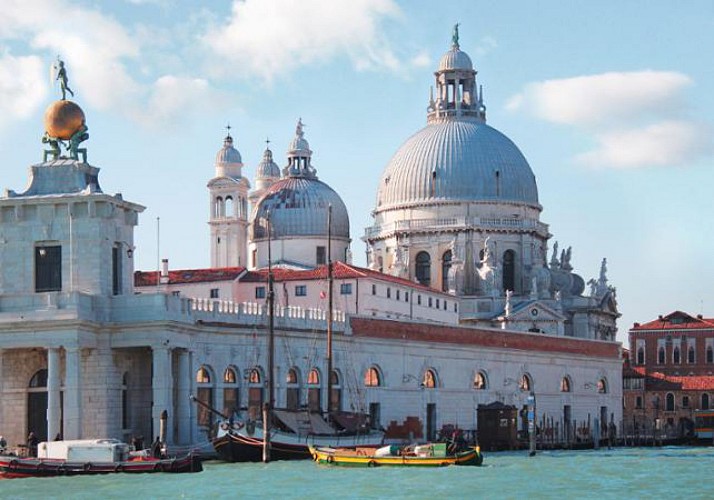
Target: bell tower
228	205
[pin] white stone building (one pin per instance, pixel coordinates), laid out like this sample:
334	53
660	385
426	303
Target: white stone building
85	353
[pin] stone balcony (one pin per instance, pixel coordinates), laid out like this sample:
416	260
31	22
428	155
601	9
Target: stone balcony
127	309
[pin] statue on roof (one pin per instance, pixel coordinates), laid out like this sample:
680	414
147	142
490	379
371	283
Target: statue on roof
298	129
455	36
62	78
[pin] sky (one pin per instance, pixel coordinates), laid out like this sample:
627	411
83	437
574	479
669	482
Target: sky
611	103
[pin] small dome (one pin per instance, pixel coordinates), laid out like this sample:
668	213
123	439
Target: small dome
267	168
455	59
228	154
299	145
298	207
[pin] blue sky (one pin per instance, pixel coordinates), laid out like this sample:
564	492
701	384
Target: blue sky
609	101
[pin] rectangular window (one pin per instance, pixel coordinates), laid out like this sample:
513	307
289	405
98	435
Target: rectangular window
389	292
320	256
116	270
346	289
300	290
418	299
430	302
437	303
685	401
397	294
444	305
214	293
259	292
48	268
456	307
406	296
374	289
254	257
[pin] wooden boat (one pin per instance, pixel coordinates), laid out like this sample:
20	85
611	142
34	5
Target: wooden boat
91	456
291	435
428	455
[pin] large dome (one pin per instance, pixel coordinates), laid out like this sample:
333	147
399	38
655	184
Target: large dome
459	160
298	207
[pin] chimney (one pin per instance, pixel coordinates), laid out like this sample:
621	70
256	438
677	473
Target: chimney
164	271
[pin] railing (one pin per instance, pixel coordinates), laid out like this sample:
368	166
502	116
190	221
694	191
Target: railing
489	222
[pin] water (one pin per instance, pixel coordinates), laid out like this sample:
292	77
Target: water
618	473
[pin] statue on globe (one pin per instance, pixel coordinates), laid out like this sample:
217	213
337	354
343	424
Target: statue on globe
62	77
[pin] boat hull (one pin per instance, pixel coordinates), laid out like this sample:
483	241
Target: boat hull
238	446
357	458
15	467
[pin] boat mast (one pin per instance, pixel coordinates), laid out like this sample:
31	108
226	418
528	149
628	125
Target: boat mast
268	406
329	308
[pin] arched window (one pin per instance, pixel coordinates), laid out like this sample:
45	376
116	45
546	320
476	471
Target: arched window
231	395
525	384
480	381
372	377
429	379
230	207
39	379
293	389
218	207
203	376
705	401
641	356
602	386
660	356
335	403
314	394
710	354
690	355
204	393
669	402
445	266
565	384
509	270
423	268
675	356
255	393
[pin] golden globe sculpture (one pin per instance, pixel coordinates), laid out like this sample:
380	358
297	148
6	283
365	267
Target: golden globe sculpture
63	119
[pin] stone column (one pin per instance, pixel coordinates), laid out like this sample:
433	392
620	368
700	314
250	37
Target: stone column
193	411
183	410
72	394
2	393
161	384
53	393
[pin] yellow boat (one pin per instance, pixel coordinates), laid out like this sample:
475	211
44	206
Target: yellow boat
428	455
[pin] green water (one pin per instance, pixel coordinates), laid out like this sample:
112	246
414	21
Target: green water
618	473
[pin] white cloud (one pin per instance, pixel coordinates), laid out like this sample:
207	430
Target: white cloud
663	143
421	60
485	45
646	107
172	98
595	99
97	51
22	87
274	38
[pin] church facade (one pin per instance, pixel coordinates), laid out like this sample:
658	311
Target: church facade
458	306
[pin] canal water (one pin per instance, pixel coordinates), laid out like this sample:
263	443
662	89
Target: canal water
618	473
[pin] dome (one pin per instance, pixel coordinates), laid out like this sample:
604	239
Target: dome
460	160
228	154
298	207
267	167
455	59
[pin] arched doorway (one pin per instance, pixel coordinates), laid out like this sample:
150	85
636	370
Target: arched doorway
37	405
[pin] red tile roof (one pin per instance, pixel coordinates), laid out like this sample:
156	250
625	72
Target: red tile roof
663	382
500	339
340	270
676	320
148	278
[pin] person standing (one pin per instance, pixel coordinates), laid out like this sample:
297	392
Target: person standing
32	443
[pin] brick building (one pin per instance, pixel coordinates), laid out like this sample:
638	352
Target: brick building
670	372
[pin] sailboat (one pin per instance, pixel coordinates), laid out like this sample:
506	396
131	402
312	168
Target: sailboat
291	433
